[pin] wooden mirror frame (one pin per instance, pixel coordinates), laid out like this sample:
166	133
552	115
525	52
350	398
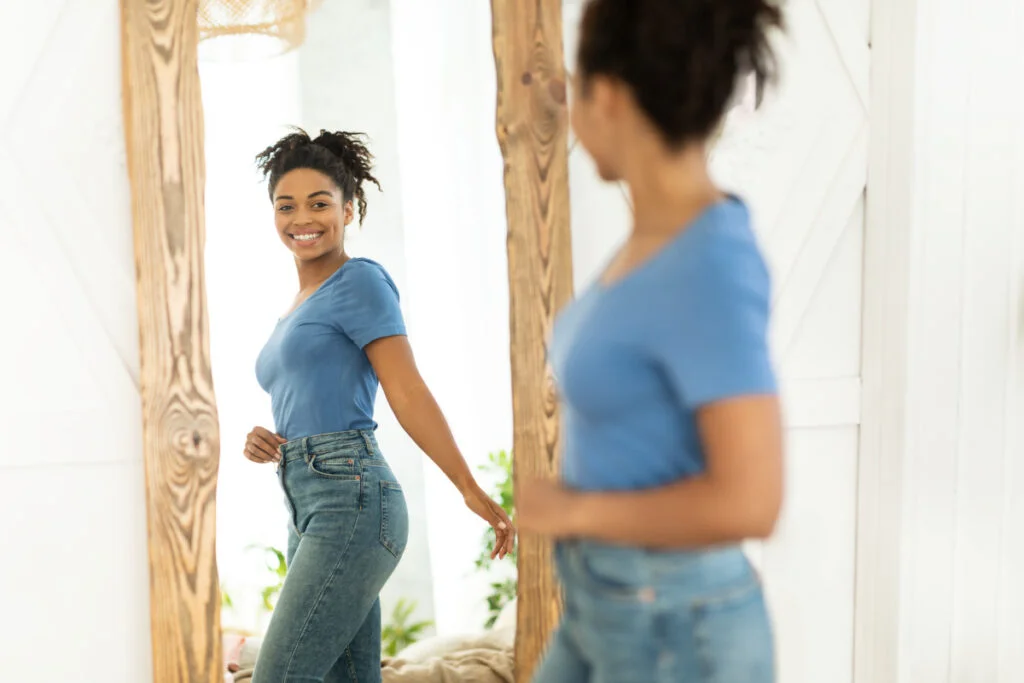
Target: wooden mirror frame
533	132
163	119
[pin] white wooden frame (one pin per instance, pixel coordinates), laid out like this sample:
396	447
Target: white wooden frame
886	332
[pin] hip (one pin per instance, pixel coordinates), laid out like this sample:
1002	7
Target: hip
335	471
624	572
697	615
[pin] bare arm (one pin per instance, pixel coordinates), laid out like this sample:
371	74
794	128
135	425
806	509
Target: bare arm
423	421
738	497
416	409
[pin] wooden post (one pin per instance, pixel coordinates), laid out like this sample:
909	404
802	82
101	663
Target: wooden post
532	124
164	131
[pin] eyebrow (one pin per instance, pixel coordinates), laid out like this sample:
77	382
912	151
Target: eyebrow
314	194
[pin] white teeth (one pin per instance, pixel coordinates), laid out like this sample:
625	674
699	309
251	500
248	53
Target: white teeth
307	238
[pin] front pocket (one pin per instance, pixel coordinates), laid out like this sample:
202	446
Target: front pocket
610	573
394	518
335	466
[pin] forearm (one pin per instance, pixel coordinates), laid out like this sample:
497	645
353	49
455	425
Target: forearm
422	419
696	512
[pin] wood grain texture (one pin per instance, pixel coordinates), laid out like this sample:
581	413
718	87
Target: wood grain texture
164	129
533	127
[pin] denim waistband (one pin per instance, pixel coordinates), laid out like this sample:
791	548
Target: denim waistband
704	560
361	442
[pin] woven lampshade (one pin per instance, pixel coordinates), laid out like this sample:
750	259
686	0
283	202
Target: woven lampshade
281	22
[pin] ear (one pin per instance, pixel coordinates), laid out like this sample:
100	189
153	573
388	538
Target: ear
350	211
606	96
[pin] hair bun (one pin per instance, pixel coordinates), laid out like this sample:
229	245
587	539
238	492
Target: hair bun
349	147
341	155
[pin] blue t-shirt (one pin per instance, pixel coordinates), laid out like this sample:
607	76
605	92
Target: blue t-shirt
313	366
634	360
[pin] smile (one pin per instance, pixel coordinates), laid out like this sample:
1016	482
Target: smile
306	238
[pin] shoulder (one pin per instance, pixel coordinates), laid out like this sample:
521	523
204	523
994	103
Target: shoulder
359	267
364	274
722	254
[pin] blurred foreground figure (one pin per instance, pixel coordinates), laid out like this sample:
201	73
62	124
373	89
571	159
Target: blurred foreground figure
672	430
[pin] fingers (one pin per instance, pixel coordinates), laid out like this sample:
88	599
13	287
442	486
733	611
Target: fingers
262	446
504	532
267	446
498	551
257	455
504	544
510	541
269	436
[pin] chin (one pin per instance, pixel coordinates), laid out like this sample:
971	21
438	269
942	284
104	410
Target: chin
305	255
607	174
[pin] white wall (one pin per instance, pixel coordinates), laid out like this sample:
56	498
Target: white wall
944	458
73	567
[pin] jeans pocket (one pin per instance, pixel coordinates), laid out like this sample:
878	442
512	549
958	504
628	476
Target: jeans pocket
609	573
339	465
394	518
733	635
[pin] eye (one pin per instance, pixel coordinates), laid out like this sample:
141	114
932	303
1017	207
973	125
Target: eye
319	205
284	208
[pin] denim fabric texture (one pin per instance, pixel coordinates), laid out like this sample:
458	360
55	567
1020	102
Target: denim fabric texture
348	528
637	616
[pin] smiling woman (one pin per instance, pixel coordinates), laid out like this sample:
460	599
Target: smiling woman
313	183
343	337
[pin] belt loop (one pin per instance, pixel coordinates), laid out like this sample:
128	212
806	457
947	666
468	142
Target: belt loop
368	440
305	449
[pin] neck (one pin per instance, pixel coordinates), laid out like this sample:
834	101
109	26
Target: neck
313	273
668	188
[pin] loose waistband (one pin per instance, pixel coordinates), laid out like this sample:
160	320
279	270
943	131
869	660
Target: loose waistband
361	442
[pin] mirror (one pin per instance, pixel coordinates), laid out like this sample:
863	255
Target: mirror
438	226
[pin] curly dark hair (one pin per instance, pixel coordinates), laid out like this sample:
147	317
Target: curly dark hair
680	58
340	156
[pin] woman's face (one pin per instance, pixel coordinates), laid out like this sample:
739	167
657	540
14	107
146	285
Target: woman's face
310	213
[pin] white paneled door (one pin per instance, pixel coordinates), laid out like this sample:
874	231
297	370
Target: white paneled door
72	493
800	160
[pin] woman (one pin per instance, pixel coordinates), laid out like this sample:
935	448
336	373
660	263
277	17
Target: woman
321	367
672	434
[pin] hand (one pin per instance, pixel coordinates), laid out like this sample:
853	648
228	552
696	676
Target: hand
504	533
263	445
547	508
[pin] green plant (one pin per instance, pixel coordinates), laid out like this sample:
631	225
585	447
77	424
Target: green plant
400	634
278	568
225	598
499	468
502	593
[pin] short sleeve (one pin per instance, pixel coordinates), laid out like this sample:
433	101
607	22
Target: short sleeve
366	304
714	341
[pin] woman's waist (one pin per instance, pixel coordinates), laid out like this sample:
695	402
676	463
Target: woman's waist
693	570
352	443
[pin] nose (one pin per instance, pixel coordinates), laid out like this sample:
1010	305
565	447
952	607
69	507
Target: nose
301	217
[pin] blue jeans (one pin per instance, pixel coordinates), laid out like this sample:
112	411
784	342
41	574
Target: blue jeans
636	616
348	529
